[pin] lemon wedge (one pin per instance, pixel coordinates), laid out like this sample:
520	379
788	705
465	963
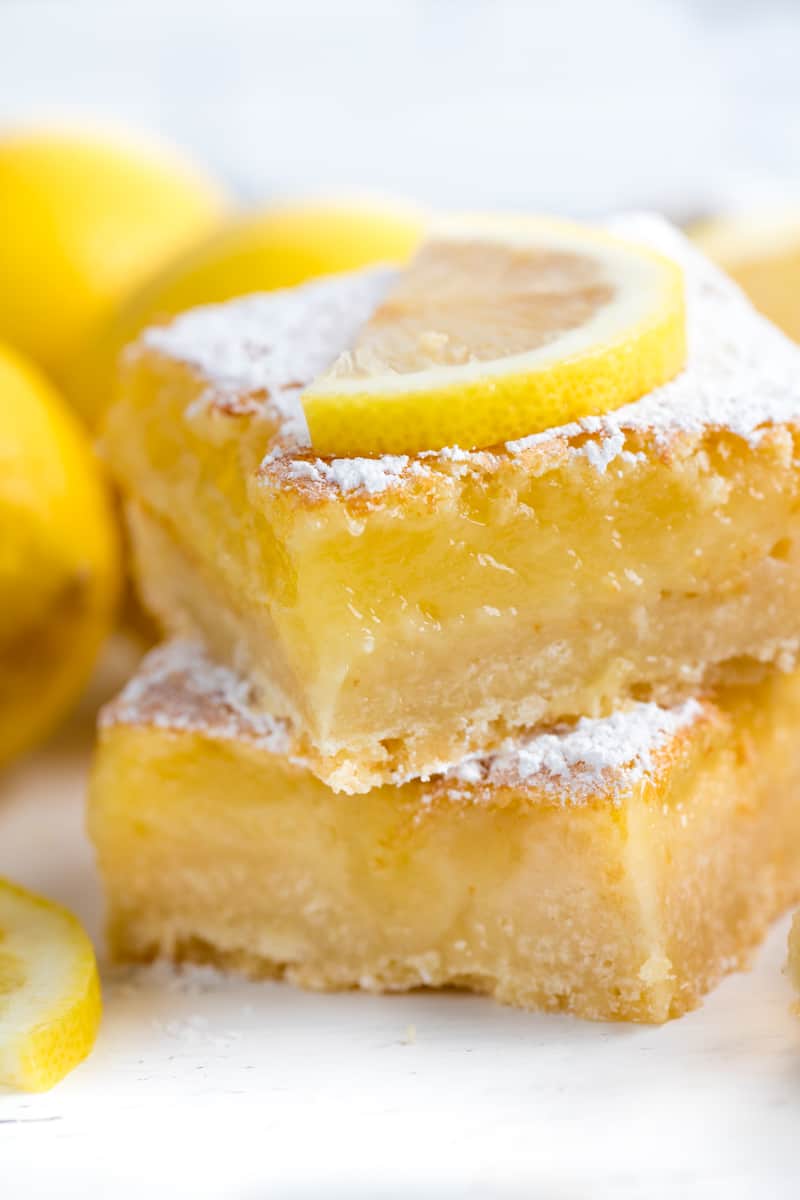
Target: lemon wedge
49	991
502	327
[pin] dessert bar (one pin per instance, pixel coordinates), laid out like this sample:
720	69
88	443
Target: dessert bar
612	868
404	611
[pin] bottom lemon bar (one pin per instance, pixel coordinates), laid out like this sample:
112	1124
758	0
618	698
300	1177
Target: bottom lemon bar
616	868
794	952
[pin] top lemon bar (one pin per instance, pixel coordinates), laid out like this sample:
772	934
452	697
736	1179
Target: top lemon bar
405	610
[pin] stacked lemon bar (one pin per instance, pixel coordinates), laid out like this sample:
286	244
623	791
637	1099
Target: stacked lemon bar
483	582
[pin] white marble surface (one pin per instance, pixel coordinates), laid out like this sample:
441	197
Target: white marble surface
219	1088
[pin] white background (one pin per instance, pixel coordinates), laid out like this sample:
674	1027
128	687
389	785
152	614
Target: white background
570	105
243	1091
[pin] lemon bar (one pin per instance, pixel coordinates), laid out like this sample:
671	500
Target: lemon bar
794	952
404	611
615	868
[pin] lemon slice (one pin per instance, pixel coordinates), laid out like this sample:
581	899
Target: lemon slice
49	991
502	327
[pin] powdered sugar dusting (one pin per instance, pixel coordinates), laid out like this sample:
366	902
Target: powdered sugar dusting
741	374
259	352
370	475
264	349
585	758
177	687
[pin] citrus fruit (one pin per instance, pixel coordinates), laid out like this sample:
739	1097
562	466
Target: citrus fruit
277	247
502	327
58	556
84	218
50	1003
761	251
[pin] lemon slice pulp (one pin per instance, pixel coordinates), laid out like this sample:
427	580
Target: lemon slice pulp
500	328
49	991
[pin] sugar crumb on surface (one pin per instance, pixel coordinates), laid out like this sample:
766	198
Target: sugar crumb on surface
187	980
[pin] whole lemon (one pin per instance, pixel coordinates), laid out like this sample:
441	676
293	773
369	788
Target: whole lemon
84	219
761	251
273	248
59	559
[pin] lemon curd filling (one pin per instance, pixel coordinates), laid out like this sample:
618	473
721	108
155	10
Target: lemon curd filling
613	868
404	610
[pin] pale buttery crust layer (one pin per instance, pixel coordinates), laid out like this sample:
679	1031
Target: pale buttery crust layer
643	555
616	869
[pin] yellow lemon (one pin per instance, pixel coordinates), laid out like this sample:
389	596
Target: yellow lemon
84	219
58	556
50	1004
277	247
502	327
761	251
